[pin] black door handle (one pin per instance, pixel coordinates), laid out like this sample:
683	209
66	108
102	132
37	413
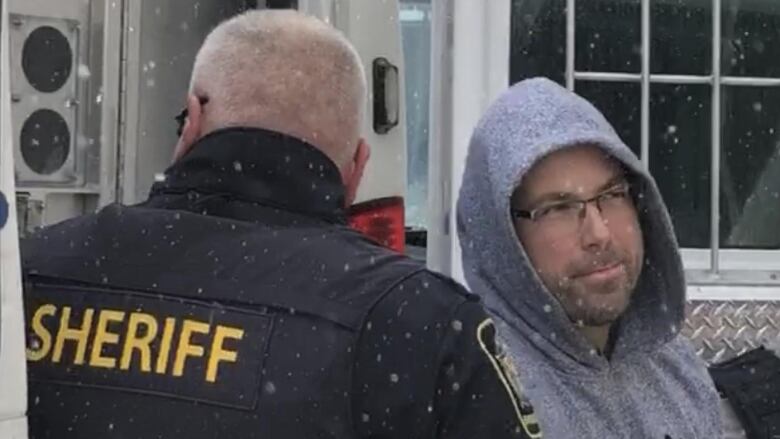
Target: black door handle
387	100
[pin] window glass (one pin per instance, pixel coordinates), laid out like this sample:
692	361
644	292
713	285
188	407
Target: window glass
750	38
680	157
538	45
681	37
608	37
415	17
750	168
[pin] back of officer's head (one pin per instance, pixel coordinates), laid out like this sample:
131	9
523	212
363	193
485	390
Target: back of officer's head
283	71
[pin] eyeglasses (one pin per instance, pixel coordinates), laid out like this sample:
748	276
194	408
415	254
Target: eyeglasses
570	213
181	118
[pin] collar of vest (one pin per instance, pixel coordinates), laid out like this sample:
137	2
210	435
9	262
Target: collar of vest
259	166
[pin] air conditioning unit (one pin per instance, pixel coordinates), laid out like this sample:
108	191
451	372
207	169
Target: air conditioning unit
44	72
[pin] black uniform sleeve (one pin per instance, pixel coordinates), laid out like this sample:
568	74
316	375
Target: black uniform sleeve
427	367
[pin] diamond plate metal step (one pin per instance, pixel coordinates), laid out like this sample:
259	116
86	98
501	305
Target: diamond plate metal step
721	330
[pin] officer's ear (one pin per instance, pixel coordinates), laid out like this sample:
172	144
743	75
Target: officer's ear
193	125
358	165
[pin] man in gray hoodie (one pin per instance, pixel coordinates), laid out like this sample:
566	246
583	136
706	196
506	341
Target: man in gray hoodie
567	239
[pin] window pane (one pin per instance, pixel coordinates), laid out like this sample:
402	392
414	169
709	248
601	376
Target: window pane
608	36
619	102
750	168
750	38
416	35
681	37
680	155
538	40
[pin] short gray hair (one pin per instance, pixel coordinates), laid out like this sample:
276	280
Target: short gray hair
283	71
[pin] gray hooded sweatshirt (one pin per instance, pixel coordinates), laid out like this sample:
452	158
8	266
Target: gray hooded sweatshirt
653	385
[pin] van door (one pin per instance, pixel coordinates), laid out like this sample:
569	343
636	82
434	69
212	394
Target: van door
13	387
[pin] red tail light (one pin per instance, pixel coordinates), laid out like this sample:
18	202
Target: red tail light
381	219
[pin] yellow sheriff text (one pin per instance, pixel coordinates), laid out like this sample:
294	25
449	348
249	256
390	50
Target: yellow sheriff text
133	341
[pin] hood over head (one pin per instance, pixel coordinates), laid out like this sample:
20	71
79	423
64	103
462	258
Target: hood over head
531	120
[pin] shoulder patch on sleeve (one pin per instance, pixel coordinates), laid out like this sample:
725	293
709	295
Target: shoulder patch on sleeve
507	373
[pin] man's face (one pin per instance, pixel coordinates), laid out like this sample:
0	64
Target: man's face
590	259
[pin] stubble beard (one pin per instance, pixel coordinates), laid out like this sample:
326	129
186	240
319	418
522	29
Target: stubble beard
596	304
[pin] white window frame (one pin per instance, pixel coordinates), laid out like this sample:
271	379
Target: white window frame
471	40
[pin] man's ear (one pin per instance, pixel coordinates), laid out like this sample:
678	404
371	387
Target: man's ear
358	165
193	126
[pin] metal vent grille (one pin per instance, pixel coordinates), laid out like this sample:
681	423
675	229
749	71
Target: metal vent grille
44	91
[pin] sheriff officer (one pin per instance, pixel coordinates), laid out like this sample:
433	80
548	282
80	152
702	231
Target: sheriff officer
235	301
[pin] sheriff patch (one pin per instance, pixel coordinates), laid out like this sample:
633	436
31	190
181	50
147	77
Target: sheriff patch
507	372
146	344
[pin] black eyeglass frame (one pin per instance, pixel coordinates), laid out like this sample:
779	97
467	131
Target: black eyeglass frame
533	215
181	118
